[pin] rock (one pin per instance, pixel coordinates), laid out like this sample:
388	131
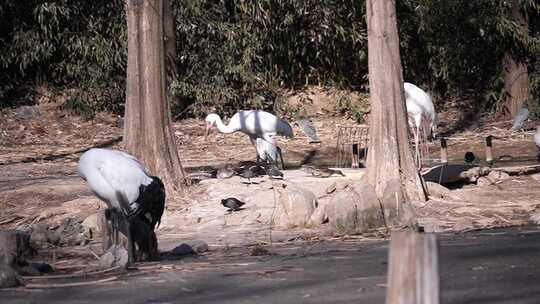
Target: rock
536	176
295	208
39	235
436	190
331	188
397	208
484	181
15	247
463	224
115	256
342	211
27	112
474	173
259	250
496	175
8	277
354	210
35	268
71	232
535	218
91	225
198	246
182	249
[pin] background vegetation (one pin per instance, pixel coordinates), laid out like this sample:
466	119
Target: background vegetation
243	53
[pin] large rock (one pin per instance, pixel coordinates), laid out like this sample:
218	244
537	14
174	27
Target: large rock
396	205
295	206
14	247
436	190
354	210
115	256
27	112
8	277
92	226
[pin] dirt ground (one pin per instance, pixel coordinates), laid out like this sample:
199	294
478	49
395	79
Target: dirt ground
39	183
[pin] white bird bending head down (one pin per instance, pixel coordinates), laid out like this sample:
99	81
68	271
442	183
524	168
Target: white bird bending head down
254	123
120	180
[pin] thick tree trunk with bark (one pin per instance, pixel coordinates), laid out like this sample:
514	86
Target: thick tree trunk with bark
516	76
390	162
147	132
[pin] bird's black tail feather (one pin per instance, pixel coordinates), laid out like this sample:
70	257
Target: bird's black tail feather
151	201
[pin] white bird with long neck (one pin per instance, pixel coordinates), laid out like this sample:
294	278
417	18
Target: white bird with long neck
120	180
260	126
421	113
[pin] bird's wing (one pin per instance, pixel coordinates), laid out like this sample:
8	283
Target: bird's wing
124	175
308	128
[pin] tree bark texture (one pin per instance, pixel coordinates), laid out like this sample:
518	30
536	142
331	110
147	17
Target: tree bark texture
390	158
516	76
147	131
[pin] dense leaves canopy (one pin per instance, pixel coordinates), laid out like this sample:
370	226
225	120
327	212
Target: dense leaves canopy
241	53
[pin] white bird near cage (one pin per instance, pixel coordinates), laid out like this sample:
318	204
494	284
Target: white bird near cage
260	126
422	115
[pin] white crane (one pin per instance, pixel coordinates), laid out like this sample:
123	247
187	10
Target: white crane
421	113
131	195
260	126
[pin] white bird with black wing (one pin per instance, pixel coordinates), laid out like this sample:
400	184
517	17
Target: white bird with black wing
120	180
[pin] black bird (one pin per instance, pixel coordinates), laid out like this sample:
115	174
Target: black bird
232	203
469	157
250	172
273	172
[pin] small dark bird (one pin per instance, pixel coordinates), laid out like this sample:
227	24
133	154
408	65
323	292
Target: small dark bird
321	172
273	172
251	172
232	203
469	157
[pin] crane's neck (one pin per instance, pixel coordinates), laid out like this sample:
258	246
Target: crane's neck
223	128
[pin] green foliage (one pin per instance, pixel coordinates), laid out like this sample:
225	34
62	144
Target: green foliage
64	44
456	47
235	54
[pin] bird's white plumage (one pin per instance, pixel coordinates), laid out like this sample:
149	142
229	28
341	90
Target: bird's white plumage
260	126
110	172
420	108
537	137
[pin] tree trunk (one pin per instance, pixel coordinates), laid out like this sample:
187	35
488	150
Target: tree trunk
169	29
516	76
147	131
390	161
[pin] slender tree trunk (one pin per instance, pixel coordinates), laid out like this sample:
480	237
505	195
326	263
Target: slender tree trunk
147	132
169	28
390	161
516	76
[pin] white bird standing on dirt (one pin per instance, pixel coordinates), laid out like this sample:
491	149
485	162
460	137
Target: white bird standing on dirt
258	125
421	113
120	180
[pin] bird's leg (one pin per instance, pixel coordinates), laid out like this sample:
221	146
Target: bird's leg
281	158
417	156
131	244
